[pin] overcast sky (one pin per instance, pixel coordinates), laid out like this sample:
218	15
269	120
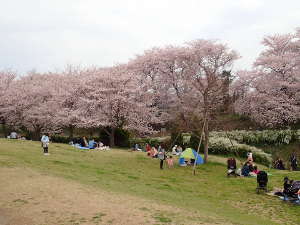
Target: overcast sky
48	34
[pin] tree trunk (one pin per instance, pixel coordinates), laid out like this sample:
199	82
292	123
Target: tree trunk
91	133
112	138
71	130
4	129
36	135
206	141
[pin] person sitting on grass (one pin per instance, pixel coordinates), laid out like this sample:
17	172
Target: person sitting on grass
286	185
179	150
148	148
246	169
231	166
101	146
83	142
174	150
278	164
93	144
137	147
153	152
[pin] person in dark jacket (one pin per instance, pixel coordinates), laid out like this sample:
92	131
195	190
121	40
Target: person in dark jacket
294	163
231	166
161	156
279	164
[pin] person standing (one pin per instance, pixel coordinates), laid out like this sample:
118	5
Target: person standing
293	161
161	156
45	143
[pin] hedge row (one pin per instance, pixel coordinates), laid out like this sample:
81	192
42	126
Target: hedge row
223	146
265	137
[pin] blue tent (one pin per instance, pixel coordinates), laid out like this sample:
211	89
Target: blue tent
190	154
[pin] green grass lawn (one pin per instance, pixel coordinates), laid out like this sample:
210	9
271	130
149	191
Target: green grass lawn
210	191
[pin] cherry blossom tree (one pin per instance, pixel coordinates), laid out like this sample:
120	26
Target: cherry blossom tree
6	79
71	90
31	103
113	99
161	71
191	76
207	63
271	90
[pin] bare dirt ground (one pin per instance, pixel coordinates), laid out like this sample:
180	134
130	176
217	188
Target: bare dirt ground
31	198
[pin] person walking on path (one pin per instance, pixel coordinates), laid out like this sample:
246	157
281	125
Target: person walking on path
45	143
161	156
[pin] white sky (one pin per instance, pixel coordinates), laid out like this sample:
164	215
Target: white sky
48	34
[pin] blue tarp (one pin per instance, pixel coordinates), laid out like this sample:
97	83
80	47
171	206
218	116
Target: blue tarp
79	146
91	144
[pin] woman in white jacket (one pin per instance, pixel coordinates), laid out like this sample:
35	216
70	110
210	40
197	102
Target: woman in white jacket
45	143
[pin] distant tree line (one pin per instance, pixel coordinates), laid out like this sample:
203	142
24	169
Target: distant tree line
175	86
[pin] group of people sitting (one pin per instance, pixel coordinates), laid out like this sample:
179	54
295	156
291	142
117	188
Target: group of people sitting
15	135
278	163
160	153
291	190
153	151
176	150
83	143
248	168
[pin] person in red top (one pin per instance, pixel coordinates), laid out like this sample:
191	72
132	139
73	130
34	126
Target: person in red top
148	148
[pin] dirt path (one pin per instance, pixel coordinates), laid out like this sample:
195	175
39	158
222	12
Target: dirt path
31	198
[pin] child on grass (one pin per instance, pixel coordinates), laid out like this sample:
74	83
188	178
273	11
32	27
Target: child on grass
45	143
170	161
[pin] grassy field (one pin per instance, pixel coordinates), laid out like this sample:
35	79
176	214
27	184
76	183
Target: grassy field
221	199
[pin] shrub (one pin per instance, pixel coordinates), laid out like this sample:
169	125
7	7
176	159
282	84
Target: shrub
265	137
122	138
223	146
60	139
194	142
